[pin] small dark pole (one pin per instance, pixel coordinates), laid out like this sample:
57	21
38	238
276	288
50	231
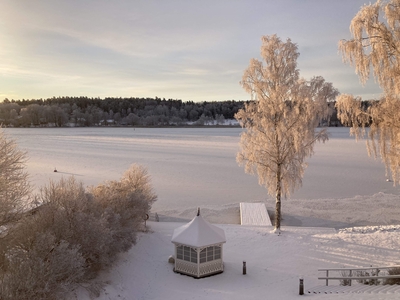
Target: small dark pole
301	286
244	268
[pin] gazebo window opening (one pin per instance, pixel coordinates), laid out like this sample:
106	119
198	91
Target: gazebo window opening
210	253
217	252
186	253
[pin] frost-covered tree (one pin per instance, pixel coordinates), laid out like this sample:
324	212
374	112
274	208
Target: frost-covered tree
14	185
281	120
376	46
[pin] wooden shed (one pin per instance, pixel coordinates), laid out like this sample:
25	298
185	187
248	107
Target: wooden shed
198	248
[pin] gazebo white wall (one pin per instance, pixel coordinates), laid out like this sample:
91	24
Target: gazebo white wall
198	248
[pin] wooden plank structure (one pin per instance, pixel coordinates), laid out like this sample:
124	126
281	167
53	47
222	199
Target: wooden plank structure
254	214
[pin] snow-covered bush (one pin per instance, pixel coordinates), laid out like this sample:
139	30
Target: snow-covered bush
46	270
370	281
393	271
78	219
51	251
14	185
130	198
345	273
73	235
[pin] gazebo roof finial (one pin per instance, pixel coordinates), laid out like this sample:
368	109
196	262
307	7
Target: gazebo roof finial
198	211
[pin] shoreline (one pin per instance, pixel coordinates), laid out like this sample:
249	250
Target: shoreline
372	210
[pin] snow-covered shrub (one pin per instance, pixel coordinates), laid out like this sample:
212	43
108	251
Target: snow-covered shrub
14	185
373	272
345	273
80	219
130	198
73	235
39	266
393	271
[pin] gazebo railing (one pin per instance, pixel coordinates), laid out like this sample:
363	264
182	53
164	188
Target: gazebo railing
200	270
186	267
211	267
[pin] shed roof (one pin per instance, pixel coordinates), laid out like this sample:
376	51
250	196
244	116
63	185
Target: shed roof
198	233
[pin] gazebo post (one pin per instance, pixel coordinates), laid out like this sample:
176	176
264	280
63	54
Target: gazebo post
198	261
176	256
222	258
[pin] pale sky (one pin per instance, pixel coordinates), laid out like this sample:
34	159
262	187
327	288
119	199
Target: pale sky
185	49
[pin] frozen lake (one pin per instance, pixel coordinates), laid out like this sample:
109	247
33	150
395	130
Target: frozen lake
193	166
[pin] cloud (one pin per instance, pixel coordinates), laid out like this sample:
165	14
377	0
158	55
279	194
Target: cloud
187	49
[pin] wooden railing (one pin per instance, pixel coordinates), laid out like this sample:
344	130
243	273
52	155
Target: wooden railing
355	271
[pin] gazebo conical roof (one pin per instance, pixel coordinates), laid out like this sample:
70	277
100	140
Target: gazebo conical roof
198	233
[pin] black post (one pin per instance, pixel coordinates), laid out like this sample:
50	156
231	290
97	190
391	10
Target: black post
301	286
244	268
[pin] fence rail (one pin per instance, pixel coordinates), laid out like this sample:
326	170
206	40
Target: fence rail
350	276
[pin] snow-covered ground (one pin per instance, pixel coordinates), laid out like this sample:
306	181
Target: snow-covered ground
274	264
193	167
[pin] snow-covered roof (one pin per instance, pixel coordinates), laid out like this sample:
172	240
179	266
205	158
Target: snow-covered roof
198	233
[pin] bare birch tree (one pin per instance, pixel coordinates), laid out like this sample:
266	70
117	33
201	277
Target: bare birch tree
376	46
281	120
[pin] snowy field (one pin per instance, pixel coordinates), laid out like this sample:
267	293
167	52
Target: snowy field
193	167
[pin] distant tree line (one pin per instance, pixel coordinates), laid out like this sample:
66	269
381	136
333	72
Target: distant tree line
84	111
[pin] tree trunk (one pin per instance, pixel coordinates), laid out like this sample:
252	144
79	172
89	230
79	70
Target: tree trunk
278	200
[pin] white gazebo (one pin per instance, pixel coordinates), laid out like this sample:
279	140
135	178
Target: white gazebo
198	248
